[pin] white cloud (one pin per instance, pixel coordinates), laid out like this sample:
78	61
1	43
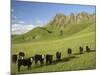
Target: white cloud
21	29
21	22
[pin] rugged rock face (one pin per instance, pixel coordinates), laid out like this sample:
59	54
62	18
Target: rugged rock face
61	20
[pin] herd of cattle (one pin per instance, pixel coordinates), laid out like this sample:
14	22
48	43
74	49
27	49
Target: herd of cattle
40	58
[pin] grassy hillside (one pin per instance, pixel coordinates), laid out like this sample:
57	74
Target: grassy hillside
48	40
50	33
62	26
85	61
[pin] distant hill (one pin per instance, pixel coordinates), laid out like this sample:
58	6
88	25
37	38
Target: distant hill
62	26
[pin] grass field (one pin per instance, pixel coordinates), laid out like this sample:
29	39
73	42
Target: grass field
38	30
76	62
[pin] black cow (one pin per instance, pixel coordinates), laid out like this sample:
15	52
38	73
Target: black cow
14	58
58	56
87	49
40	58
49	59
81	50
25	62
69	51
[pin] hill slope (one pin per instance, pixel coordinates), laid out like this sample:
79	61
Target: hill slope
58	37
61	26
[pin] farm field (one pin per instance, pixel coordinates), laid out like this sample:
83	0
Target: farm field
52	37
77	62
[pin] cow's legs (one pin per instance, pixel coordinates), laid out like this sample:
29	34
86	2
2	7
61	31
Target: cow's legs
18	68
36	61
29	66
47	61
41	61
50	61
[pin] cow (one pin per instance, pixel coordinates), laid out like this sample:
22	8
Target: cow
25	62
87	49
69	51
14	58
39	58
58	56
81	50
21	55
49	59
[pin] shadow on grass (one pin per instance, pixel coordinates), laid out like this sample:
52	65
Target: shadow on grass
56	61
73	56
66	59
84	52
92	51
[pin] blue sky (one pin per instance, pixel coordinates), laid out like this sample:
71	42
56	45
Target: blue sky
37	14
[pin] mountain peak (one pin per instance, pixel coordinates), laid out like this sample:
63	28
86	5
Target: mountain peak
60	19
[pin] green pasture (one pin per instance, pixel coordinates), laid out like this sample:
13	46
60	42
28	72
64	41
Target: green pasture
75	62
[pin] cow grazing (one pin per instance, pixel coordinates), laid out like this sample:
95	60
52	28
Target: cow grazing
87	49
81	50
49	59
58	56
25	62
39	58
14	58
